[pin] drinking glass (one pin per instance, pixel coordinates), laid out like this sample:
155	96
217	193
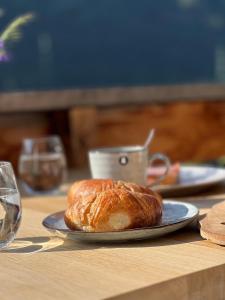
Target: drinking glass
10	208
42	164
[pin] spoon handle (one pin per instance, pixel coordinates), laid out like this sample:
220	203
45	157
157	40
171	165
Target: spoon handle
149	138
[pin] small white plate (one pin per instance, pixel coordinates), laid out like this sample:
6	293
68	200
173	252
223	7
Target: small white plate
175	216
193	179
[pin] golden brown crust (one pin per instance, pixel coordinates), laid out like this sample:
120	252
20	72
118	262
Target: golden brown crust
108	205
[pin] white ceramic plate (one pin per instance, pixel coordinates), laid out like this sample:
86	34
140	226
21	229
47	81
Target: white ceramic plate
175	216
193	179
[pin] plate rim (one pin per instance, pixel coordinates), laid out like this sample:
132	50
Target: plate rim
178	186
156	227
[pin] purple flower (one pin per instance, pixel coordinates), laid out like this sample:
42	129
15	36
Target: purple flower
4	57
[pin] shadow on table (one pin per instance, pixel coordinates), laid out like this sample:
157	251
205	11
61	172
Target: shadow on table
31	245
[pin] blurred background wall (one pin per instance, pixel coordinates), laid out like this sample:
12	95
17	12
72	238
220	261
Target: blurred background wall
76	45
189	132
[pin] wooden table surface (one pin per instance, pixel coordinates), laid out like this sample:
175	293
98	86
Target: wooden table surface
178	266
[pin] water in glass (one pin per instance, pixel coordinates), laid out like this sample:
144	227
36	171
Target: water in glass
10	205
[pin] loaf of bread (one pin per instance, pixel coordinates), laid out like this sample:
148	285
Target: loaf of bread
100	205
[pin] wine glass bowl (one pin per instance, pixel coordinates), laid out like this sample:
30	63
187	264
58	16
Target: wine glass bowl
42	164
10	208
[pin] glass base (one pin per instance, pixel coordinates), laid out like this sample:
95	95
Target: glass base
5	244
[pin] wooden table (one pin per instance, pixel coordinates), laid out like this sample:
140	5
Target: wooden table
177	266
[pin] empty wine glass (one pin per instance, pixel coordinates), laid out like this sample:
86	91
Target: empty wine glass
10	208
42	164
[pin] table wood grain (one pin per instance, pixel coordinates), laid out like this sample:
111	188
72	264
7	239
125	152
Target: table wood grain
178	266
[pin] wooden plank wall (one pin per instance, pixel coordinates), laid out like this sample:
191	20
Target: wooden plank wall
184	131
192	131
